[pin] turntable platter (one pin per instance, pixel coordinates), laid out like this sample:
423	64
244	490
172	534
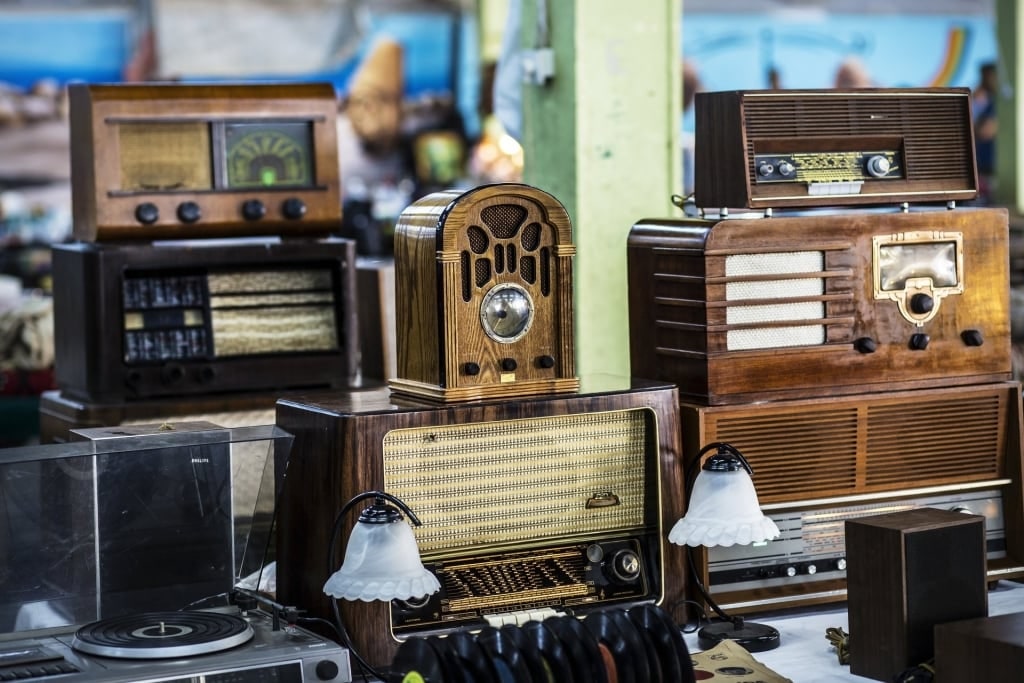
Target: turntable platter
155	635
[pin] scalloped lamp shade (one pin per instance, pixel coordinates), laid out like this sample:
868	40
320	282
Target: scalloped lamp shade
382	562
723	511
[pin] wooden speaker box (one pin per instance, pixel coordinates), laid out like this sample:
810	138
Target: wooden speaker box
172	161
910	571
483	285
544	503
818	462
980	650
792	148
138	322
736	311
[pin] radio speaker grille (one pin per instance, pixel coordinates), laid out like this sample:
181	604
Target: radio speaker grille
507	482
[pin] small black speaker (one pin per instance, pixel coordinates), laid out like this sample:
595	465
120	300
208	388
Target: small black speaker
907	572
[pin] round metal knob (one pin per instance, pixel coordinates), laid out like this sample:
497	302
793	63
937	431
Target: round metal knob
790	570
765	169
878	166
812	569
624	566
841	564
786	169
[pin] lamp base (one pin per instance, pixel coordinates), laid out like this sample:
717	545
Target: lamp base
751	636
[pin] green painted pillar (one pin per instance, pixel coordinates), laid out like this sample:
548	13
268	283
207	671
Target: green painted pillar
602	137
1009	190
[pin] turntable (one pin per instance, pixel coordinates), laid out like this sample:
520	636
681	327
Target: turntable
209	646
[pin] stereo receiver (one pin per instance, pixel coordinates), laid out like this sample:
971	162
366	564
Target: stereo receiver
820	461
172	161
539	505
738	310
175	319
790	148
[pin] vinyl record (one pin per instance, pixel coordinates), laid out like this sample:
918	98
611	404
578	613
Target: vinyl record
626	648
506	660
463	650
583	647
539	671
648	654
557	658
417	661
664	632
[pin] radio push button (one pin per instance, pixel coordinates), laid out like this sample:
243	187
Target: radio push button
919	341
253	210
293	208
147	213
189	212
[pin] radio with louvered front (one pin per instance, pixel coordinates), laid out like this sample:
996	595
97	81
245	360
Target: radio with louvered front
800	148
738	310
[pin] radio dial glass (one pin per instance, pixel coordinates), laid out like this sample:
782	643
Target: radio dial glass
268	154
506	313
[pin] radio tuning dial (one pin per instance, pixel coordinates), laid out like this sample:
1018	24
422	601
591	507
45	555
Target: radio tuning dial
878	166
253	210
189	212
765	169
147	213
921	303
786	169
293	208
624	566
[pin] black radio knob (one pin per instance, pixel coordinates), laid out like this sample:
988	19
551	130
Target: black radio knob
147	213
172	374
206	374
972	337
919	341
326	670
509	364
471	368
546	362
624	566
293	208
253	210
189	212
921	303
865	345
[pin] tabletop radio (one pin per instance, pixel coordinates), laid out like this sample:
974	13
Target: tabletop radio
205	317
737	310
543	504
790	148
483	294
172	161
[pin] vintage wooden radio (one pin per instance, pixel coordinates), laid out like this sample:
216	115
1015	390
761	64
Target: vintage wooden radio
169	161
789	148
541	504
186	318
819	462
741	310
483	285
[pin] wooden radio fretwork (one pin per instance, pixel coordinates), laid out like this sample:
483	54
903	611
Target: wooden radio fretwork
484	295
174	161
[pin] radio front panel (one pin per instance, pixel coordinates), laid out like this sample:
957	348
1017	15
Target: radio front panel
177	161
146	321
554	504
741	310
801	148
820	461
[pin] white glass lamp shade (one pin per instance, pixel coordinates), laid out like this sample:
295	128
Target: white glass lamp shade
724	511
382	562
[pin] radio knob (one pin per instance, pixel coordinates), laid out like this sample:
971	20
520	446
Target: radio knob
189	212
841	564
878	166
786	169
812	569
509	364
253	210
172	374
546	361
471	368
293	208
147	213
326	670
919	341
972	337
206	374
921	304
789	570
765	169
865	345
624	566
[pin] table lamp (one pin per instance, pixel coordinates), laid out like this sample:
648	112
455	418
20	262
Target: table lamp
382	560
722	509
